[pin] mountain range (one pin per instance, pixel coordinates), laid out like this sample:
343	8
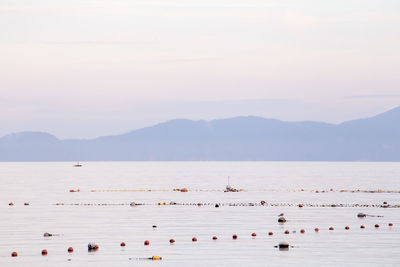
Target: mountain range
235	139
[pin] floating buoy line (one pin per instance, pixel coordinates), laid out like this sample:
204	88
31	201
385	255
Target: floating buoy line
239	204
94	247
242	190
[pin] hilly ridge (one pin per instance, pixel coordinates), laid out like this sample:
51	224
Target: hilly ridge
241	138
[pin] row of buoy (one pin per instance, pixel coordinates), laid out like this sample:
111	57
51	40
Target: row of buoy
230	204
242	190
12	204
94	247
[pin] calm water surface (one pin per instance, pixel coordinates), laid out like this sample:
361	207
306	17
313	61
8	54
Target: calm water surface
44	184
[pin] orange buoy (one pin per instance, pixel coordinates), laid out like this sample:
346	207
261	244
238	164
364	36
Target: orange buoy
287	232
72	190
10	204
234	236
172	241
270	233
347	228
390	224
362	226
14	254
194	239
215	238
376	225
253	234
123	244
316	229
44	252
302	231
70	250
331	228
147	242
184	190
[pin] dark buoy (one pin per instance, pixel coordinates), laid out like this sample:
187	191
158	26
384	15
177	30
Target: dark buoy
26	204
390	224
14	254
147	242
270	233
302	231
44	252
281	220
70	250
287	232
362	226
93	246
216	205
234	237
47	234
123	244
316	229
347	228
172	241
376	225
194	239
361	215
300	205
10	204
154	226
215	238
253	234
331	228
284	246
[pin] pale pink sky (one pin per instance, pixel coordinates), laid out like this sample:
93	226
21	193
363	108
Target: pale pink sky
88	68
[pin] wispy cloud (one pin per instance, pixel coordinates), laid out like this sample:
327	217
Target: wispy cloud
373	96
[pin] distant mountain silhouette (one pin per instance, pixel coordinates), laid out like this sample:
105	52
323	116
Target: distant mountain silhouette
240	138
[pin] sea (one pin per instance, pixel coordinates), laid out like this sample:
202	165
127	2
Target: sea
108	203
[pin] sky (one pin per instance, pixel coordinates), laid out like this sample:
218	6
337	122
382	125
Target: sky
87	68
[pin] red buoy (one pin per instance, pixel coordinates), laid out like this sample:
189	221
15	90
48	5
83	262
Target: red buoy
362	226
316	229
215	238
300	205
147	242
286	232
70	250
347	228
234	236
123	244
270	233
10	204
376	225
253	234
302	231
331	228
14	254
172	241
194	239
44	252
390	224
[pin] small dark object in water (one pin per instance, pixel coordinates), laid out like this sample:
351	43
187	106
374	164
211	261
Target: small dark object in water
154	226
92	246
216	205
361	215
26	204
283	245
47	234
281	219
133	204
280	215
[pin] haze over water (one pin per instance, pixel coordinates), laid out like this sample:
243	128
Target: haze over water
45	184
